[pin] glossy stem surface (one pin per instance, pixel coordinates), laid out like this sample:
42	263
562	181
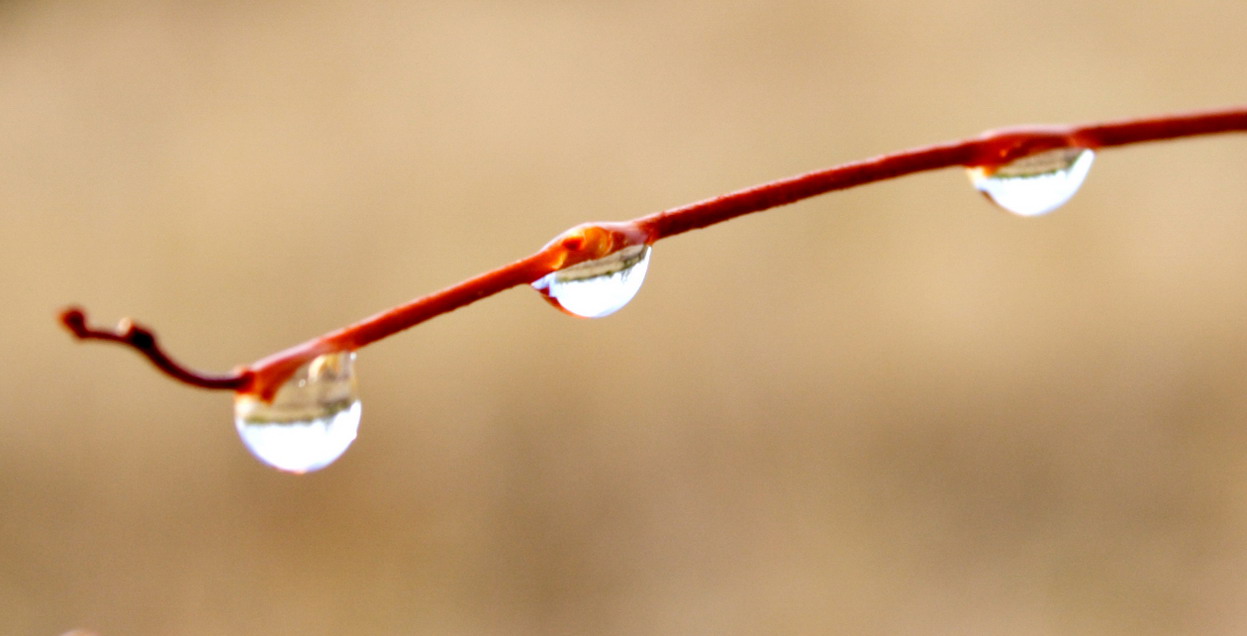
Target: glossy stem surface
591	241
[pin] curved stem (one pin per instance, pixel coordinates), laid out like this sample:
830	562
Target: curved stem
595	240
143	340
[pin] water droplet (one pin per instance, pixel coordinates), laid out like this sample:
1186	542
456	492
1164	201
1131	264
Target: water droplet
312	419
599	287
1037	184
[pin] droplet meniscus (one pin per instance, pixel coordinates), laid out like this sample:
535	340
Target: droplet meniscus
600	287
1036	184
312	419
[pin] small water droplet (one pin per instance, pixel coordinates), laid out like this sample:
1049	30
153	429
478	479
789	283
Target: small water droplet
312	419
599	287
1034	185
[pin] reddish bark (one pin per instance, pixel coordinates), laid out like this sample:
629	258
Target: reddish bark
595	240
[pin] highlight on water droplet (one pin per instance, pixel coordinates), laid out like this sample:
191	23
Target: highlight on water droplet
312	419
1036	184
600	287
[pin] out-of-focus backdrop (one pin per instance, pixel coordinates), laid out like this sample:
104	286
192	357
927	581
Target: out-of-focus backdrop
891	410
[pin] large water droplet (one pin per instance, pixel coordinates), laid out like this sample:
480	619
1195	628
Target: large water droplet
1037	184
599	287
312	419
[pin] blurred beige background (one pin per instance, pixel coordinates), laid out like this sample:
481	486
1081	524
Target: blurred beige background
893	410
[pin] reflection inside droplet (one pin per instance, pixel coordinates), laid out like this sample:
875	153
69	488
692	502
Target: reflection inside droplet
599	287
312	419
1034	185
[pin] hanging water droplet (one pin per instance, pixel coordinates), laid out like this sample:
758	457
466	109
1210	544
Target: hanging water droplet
312	419
599	287
1037	184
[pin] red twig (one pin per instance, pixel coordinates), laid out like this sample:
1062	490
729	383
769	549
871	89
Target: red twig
591	241
142	339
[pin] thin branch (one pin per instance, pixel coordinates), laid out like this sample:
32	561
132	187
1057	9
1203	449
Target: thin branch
143	340
592	241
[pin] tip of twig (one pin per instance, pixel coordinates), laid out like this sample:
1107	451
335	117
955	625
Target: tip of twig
75	320
143	340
